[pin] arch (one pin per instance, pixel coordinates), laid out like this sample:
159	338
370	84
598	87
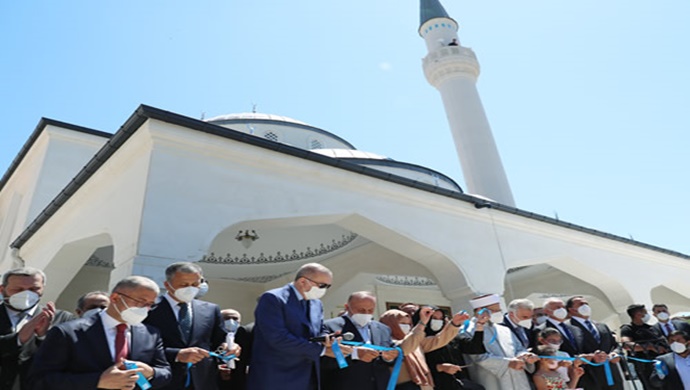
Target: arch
675	301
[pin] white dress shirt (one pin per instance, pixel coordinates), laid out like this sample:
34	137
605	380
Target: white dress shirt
110	327
175	306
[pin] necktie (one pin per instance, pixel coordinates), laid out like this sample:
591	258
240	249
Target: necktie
568	334
185	321
121	347
668	329
593	331
523	336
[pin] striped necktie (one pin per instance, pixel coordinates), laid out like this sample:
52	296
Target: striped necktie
593	331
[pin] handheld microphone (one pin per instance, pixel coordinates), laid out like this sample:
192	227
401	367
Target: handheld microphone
348	336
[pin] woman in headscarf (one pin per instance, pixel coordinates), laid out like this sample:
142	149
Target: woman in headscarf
446	363
415	373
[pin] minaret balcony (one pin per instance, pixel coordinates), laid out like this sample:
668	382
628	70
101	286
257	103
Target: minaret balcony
448	60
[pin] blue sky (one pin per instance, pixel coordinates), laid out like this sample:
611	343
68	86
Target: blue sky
588	100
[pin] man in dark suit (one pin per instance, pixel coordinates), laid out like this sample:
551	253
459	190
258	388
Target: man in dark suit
23	323
89	353
190	329
236	379
677	364
285	319
367	368
666	326
519	321
572	337
597	340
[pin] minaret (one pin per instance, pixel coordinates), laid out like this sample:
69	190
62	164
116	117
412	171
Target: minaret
453	70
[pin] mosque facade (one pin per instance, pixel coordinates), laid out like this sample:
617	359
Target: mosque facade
251	197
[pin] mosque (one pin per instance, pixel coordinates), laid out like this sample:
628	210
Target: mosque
254	196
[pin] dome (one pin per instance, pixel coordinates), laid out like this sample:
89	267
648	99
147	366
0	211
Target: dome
252	116
349	153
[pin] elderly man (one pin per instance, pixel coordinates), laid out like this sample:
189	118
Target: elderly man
519	321
506	359
287	318
92	302
558	315
90	352
597	340
23	323
367	368
190	329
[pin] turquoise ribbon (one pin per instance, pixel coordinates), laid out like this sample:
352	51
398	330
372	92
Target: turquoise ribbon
342	363
224	358
606	364
396	367
143	383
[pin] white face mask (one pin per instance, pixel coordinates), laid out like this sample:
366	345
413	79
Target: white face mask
496	317
585	310
186	294
203	289
561	313
132	315
91	312
527	324
554	346
541	319
663	316
362	319
405	328
678	347
231	325
24	300
646	318
436	325
315	293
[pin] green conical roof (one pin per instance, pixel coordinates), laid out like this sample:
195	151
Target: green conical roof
430	9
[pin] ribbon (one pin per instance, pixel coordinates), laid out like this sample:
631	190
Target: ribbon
606	364
224	358
396	367
143	383
342	363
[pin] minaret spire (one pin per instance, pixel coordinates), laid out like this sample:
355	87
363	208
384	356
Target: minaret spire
453	70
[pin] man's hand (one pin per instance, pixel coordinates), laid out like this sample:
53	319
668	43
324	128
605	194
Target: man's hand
389	355
191	355
448	368
516	364
600	356
614	358
235	350
345	349
483	316
116	377
367	354
425	314
145	369
460	317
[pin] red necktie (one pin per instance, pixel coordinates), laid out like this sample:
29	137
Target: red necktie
121	347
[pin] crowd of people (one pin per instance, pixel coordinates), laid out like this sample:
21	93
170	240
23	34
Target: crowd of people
136	337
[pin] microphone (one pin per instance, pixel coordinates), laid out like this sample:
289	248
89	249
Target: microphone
348	336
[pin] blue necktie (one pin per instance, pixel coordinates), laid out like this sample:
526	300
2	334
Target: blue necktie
568	334
593	331
185	321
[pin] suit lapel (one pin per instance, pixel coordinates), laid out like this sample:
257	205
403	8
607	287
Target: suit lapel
169	318
5	323
198	317
138	333
95	334
348	326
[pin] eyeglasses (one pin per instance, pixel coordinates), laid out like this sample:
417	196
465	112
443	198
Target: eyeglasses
319	285
139	302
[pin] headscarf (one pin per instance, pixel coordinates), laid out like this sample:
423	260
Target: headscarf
414	361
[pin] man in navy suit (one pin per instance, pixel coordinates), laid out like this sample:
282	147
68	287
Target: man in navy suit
597	339
88	353
285	319
572	337
367	368
519	321
666	326
190	328
677	363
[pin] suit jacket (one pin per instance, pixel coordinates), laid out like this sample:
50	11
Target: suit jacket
358	375
282	355
677	324
529	333
671	381
595	377
14	359
208	332
74	355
